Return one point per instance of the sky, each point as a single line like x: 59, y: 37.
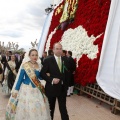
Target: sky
x: 21, y: 21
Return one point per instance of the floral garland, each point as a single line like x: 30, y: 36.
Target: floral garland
x: 90, y: 20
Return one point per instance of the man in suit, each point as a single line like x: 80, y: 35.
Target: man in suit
x: 44, y: 55
x: 50, y: 53
x: 6, y: 58
x: 64, y: 53
x: 72, y: 68
x: 54, y: 71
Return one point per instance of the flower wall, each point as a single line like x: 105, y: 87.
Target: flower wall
x: 83, y: 36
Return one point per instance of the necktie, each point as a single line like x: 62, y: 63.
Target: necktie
x: 59, y: 64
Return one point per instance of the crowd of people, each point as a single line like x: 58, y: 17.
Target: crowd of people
x: 23, y: 79
x: 9, y: 66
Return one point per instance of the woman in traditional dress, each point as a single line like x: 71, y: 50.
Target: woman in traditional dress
x: 32, y: 102
x: 1, y: 70
x: 9, y: 75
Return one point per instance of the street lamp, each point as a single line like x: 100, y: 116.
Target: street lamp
x: 52, y: 5
x: 49, y: 9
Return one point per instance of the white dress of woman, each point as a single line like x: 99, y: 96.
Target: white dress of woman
x: 9, y: 75
x: 32, y: 103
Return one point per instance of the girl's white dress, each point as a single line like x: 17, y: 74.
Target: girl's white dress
x: 31, y: 104
x: 5, y: 88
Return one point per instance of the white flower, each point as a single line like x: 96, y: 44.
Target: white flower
x: 77, y: 41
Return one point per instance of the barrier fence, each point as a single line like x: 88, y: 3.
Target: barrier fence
x: 95, y: 91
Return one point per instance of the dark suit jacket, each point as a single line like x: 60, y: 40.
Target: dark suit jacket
x: 72, y: 64
x: 4, y: 61
x: 72, y: 68
x: 50, y: 66
x: 1, y: 70
x: 42, y: 60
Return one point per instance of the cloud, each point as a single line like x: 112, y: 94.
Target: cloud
x: 14, y: 34
x: 22, y: 20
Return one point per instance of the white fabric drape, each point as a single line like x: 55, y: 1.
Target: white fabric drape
x: 108, y: 76
x: 44, y: 34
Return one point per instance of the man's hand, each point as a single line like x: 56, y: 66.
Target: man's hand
x: 48, y: 74
x: 56, y: 81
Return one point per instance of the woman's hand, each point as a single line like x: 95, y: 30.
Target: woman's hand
x: 14, y: 95
x: 15, y: 73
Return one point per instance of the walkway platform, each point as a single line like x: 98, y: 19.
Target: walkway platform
x: 79, y: 108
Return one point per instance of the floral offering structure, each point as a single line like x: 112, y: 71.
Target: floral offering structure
x: 79, y: 25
